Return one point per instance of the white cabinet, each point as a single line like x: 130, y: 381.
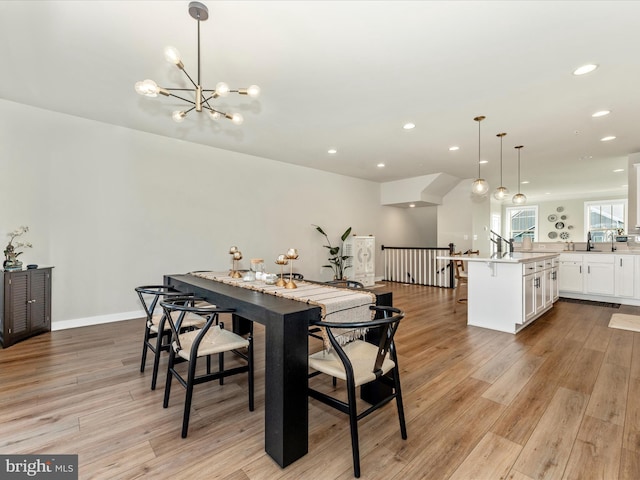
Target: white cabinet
x: 624, y: 266
x: 570, y: 273
x: 361, y: 249
x: 538, y: 287
x: 600, y: 274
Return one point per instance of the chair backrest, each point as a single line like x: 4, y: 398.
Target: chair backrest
x: 458, y: 265
x: 386, y: 323
x: 294, y: 276
x: 176, y: 307
x: 345, y: 283
x: 150, y: 294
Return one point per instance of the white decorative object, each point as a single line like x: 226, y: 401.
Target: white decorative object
x: 361, y: 250
x: 526, y: 244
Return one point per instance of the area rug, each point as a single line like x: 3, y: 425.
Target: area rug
x: 625, y: 322
x: 589, y: 302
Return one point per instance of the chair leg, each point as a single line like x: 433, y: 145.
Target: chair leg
x: 144, y: 348
x: 167, y: 386
x: 187, y: 399
x: 221, y: 366
x: 250, y: 359
x: 403, y: 425
x: 156, y: 360
x: 353, y: 424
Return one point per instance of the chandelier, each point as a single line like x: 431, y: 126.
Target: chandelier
x: 501, y: 192
x: 519, y: 198
x: 202, y: 97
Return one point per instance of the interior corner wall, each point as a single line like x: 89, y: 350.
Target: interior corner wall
x: 455, y: 218
x: 112, y: 208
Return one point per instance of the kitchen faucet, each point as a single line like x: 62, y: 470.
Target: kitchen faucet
x: 613, y: 246
x: 499, y: 241
x: 589, y: 246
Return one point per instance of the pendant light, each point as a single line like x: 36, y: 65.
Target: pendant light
x: 480, y: 186
x: 501, y: 192
x: 519, y: 198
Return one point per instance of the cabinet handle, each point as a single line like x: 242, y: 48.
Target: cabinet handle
x: 580, y: 268
x: 589, y: 269
x: 620, y: 262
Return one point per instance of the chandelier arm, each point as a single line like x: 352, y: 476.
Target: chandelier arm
x: 182, y: 98
x: 190, y: 79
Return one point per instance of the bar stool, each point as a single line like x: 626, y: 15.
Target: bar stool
x: 209, y: 340
x: 157, y: 332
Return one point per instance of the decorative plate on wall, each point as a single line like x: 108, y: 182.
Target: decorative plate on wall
x: 563, y: 217
x: 564, y: 235
x: 559, y: 225
x: 552, y: 235
x: 552, y: 218
x: 570, y: 227
x: 560, y: 209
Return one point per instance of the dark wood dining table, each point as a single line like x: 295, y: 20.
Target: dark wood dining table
x: 286, y: 349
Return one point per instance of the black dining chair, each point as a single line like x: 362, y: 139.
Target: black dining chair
x: 211, y: 339
x: 359, y: 363
x: 157, y: 332
x: 345, y: 283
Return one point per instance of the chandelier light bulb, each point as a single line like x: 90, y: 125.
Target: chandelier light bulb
x: 222, y: 89
x: 148, y: 88
x: 253, y: 91
x: 178, y: 116
x: 214, y: 115
x: 237, y: 119
x: 172, y: 55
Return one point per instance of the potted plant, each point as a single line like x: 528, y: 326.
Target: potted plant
x: 336, y: 260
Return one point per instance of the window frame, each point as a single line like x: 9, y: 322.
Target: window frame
x: 536, y: 226
x: 614, y: 201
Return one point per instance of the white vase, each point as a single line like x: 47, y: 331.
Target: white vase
x: 526, y: 244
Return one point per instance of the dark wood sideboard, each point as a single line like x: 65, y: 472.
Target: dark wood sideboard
x: 25, y: 304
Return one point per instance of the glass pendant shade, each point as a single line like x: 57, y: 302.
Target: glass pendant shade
x: 519, y: 199
x: 480, y: 186
x: 501, y: 193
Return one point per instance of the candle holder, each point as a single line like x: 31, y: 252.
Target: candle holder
x: 292, y: 254
x: 282, y: 261
x: 235, y: 256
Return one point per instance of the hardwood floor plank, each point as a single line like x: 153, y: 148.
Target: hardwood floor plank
x: 546, y: 453
x: 582, y: 374
x: 609, y: 397
x: 599, y: 338
x: 632, y: 418
x: 509, y: 385
x: 492, y: 458
x: 620, y: 349
x: 596, y: 452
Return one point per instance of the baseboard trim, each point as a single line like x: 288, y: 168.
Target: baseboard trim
x: 100, y: 319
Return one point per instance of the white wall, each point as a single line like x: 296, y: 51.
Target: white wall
x: 113, y: 208
x: 455, y: 218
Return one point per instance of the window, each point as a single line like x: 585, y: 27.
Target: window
x: 605, y: 219
x: 522, y: 222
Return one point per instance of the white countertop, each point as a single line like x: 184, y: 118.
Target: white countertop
x: 515, y: 257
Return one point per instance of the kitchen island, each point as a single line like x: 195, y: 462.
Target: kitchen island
x: 508, y: 291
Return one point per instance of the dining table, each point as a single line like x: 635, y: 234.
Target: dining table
x: 286, y: 324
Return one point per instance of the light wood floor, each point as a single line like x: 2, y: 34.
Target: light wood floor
x: 561, y: 400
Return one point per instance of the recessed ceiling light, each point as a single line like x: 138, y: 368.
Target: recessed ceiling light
x: 601, y: 113
x: 607, y: 139
x: 624, y: 186
x: 547, y: 193
x: 618, y: 170
x: 524, y: 182
x: 380, y: 165
x: 482, y: 162
x: 412, y: 205
x: 409, y: 126
x: 332, y: 151
x: 454, y: 148
x: 584, y: 69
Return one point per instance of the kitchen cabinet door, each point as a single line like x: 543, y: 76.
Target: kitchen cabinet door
x: 570, y: 278
x: 625, y: 275
x: 599, y: 278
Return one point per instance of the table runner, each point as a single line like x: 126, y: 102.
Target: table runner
x: 339, y: 305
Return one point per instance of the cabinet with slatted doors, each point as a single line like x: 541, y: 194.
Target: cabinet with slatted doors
x: 25, y: 304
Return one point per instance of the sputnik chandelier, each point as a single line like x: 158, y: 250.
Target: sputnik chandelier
x: 202, y: 96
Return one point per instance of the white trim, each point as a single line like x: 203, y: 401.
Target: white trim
x: 97, y: 320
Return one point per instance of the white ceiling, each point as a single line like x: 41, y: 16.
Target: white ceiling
x: 349, y: 74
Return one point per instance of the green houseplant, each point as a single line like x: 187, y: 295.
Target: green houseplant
x: 336, y: 260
